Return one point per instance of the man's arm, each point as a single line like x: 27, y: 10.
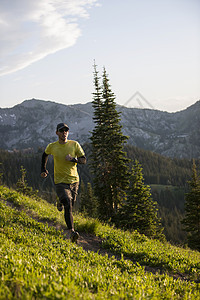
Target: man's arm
x: 79, y: 160
x: 44, y: 171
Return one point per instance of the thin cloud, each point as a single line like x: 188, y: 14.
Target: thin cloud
x: 30, y: 30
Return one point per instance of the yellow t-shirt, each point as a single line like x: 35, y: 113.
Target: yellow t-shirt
x: 65, y: 171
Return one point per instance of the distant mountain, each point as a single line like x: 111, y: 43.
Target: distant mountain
x: 32, y: 124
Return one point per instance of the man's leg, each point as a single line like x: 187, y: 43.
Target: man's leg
x: 68, y: 210
x: 74, y: 193
x: 74, y: 190
x: 65, y: 198
x: 67, y: 195
x: 59, y: 205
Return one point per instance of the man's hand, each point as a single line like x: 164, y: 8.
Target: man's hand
x: 80, y: 160
x: 44, y: 174
x: 68, y: 157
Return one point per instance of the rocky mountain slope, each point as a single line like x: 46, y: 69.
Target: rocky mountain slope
x: 32, y: 124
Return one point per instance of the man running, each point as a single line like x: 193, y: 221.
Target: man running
x: 66, y: 154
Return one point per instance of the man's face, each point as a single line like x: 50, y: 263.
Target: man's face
x: 62, y: 134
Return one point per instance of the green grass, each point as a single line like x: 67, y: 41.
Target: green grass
x: 37, y: 262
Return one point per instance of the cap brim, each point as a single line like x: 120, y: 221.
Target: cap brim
x: 62, y: 128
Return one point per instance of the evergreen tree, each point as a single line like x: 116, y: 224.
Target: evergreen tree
x: 97, y: 102
x: 97, y: 137
x: 83, y: 198
x: 139, y: 211
x: 109, y: 161
x: 89, y: 204
x: 191, y: 221
x: 92, y: 204
x: 23, y: 187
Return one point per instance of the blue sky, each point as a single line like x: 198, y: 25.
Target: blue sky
x: 147, y: 46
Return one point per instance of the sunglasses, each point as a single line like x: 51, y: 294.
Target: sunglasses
x: 63, y: 130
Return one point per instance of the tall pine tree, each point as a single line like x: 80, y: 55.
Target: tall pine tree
x: 139, y: 211
x: 97, y: 137
x: 109, y: 161
x: 191, y: 221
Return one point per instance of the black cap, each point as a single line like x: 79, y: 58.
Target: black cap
x: 62, y: 125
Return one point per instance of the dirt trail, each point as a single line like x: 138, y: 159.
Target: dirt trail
x: 93, y: 243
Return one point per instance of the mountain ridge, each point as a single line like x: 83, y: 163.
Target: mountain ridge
x: 32, y: 123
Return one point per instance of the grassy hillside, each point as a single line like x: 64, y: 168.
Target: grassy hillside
x: 167, y: 177
x: 39, y: 262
